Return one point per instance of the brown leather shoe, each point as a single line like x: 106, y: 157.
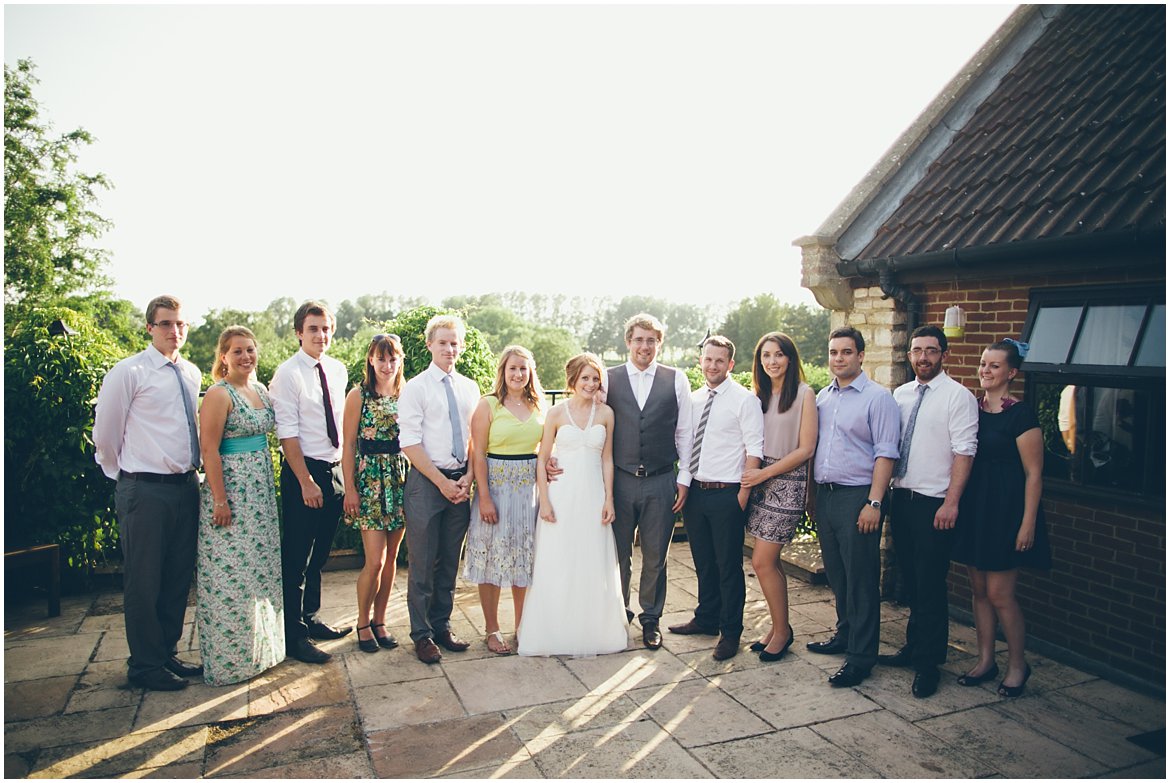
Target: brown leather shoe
x: 451, y: 641
x: 692, y: 628
x: 426, y: 650
x: 727, y: 648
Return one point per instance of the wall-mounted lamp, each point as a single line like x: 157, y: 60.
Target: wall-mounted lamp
x: 954, y: 321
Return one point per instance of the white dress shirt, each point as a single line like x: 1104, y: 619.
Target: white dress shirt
x: 423, y: 416
x: 948, y: 408
x: 640, y: 383
x: 735, y: 431
x: 300, y: 406
x: 141, y: 422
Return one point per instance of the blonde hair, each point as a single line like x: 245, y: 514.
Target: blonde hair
x: 446, y: 321
x: 219, y: 368
x: 533, y: 391
x: 575, y: 366
x: 646, y: 321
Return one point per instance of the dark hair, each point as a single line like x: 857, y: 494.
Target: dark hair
x: 311, y: 307
x: 380, y: 346
x: 793, y: 376
x: 852, y: 334
x: 929, y: 330
x: 1010, y: 350
x: 719, y: 341
x: 165, y: 301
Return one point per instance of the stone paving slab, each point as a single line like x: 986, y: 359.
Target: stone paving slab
x: 675, y: 712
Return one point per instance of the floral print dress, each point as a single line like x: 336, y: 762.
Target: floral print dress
x: 379, y: 477
x: 240, y: 606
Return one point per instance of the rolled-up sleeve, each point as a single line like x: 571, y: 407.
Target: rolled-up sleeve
x: 109, y: 424
x: 751, y: 422
x: 410, y: 415
x: 964, y: 424
x: 285, y: 393
x: 885, y: 423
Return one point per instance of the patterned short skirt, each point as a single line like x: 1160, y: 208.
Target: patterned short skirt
x: 501, y: 554
x: 777, y: 506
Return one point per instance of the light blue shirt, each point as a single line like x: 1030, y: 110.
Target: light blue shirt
x: 858, y: 424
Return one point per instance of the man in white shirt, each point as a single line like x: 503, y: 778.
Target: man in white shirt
x: 308, y: 396
x: 728, y: 437
x: 940, y: 421
x: 434, y: 428
x: 145, y: 438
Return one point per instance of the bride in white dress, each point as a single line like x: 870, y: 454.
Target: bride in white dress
x: 574, y: 605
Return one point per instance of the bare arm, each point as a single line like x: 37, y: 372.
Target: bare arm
x: 805, y: 446
x: 481, y: 422
x: 607, y: 510
x: 745, y: 491
x: 948, y: 512
x: 349, y: 431
x: 546, y: 446
x: 1031, y: 446
x: 213, y: 413
x: 870, y: 518
x: 452, y: 490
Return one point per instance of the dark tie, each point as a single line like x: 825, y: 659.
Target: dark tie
x: 908, y: 435
x: 189, y: 409
x: 698, y: 447
x: 458, y: 442
x: 330, y: 422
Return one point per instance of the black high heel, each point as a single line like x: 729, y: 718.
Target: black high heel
x: 1012, y: 691
x: 970, y: 681
x: 389, y: 642
x: 757, y: 646
x: 768, y: 657
x: 367, y: 645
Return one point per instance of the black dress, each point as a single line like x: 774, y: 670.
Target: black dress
x: 992, y: 505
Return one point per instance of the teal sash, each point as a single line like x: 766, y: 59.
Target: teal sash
x: 241, y: 445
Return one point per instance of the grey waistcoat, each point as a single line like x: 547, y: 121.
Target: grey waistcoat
x: 643, y: 437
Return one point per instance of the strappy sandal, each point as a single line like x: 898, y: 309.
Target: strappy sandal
x: 502, y: 647
x: 367, y: 645
x: 389, y: 642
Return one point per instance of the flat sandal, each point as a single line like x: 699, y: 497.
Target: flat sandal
x: 499, y: 637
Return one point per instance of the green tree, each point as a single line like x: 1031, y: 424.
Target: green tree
x: 751, y: 318
x: 48, y: 204
x: 552, y: 347
x: 476, y: 361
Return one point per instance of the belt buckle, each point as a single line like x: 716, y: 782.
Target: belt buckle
x: 640, y: 472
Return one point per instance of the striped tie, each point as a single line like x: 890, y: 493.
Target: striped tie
x: 699, y: 432
x: 907, y: 436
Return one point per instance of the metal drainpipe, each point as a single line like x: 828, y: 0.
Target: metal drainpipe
x: 904, y: 295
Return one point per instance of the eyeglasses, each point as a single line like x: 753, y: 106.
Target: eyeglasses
x: 928, y: 351
x: 182, y: 325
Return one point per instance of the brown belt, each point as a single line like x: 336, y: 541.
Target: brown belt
x: 715, y: 485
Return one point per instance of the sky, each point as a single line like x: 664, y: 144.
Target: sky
x: 327, y: 152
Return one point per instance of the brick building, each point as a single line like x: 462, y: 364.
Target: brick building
x: 1031, y: 193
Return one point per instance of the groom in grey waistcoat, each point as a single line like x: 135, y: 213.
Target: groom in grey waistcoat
x: 652, y: 411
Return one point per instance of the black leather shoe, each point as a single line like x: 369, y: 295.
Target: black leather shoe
x: 651, y: 636
x: 157, y: 680
x: 387, y: 642
x: 899, y: 659
x: 451, y: 641
x: 690, y: 628
x: 367, y: 645
x: 427, y: 651
x: 848, y: 676
x: 831, y: 647
x: 727, y: 648
x: 323, y: 633
x: 182, y: 668
x: 925, y: 683
x: 307, y: 652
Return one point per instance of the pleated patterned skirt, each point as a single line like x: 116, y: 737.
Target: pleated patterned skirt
x: 501, y: 554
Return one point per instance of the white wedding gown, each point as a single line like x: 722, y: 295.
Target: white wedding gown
x: 574, y: 606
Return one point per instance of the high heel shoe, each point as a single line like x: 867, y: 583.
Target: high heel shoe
x: 366, y: 645
x: 971, y: 680
x: 757, y: 646
x: 389, y: 642
x: 768, y: 657
x: 1012, y: 691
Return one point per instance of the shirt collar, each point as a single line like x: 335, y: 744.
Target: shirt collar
x: 935, y: 381
x: 859, y: 383
x: 307, y: 360
x: 439, y: 375
x: 156, y: 357
x: 633, y: 370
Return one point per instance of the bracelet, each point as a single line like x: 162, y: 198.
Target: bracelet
x: 219, y: 504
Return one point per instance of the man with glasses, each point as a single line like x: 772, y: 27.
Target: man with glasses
x: 940, y: 419
x: 145, y: 438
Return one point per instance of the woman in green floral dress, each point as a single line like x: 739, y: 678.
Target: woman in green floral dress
x: 240, y: 610
x: 375, y: 471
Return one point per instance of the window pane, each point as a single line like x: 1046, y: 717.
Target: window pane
x: 1052, y: 334
x: 1108, y: 334
x: 1153, y: 350
x: 1113, y: 438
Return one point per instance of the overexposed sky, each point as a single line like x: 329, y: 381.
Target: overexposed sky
x: 313, y: 151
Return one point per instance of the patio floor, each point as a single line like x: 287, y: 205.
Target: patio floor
x: 676, y: 712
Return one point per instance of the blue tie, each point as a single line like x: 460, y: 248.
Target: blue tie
x: 189, y: 409
x: 458, y: 442
x: 904, y: 448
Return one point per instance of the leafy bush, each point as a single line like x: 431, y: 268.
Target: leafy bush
x: 476, y: 362
x: 54, y: 492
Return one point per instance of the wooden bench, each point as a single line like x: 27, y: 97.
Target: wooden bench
x: 41, y: 556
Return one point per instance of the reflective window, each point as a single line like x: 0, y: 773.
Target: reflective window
x: 1053, y: 333
x: 1108, y: 334
x: 1153, y: 350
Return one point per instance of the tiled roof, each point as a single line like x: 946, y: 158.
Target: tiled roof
x: 1072, y: 141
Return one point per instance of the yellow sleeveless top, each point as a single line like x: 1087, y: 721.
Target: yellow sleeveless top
x: 509, y: 435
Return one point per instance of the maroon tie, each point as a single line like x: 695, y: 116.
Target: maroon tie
x: 330, y: 422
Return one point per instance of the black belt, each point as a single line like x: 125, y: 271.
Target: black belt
x: 378, y: 446
x: 158, y: 478
x: 455, y: 473
x: 641, y: 472
x: 715, y: 484
x: 911, y: 494
x: 833, y: 486
x: 310, y: 460
x: 511, y: 456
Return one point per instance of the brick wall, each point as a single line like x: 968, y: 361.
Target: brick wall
x: 1105, y: 597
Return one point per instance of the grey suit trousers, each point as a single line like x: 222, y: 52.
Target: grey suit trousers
x: 645, y: 504
x: 853, y: 566
x: 435, y: 529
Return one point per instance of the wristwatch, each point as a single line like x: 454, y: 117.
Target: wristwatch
x: 875, y: 503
